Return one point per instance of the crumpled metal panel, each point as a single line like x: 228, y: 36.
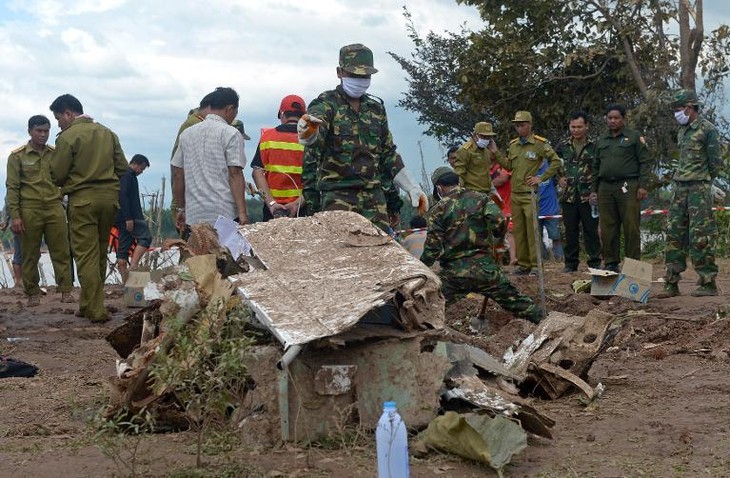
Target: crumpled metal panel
x: 325, y: 272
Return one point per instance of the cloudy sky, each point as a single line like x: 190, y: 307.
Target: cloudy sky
x: 139, y: 66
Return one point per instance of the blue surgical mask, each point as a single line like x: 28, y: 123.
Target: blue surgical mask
x: 355, y: 87
x: 681, y: 117
x: 482, y: 143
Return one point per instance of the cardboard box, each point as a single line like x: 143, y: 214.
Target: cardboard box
x: 634, y: 281
x: 134, y: 289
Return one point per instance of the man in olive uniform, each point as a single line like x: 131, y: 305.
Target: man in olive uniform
x: 474, y: 160
x: 350, y: 162
x: 577, y: 153
x: 525, y: 155
x: 463, y: 228
x: 34, y: 205
x: 621, y: 170
x: 691, y: 229
x: 88, y: 164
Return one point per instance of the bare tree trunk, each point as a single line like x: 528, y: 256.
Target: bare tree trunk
x: 160, y: 209
x: 690, y: 41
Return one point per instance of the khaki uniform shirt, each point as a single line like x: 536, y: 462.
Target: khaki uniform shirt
x: 473, y: 166
x: 524, y: 158
x: 29, y: 182
x: 89, y: 160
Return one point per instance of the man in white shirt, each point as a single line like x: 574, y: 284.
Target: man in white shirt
x: 208, y: 166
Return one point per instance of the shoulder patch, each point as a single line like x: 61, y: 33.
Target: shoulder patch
x: 514, y: 140
x: 19, y: 149
x: 540, y: 138
x: 52, y: 148
x: 467, y: 145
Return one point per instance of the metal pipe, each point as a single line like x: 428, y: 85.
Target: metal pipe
x: 283, y: 375
x: 538, y: 248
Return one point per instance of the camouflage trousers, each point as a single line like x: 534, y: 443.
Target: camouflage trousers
x: 484, y: 276
x: 691, y: 230
x: 369, y: 203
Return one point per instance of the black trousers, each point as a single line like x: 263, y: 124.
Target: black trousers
x: 576, y: 215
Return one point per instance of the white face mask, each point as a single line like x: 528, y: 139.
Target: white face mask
x: 355, y: 87
x: 482, y: 143
x: 681, y: 117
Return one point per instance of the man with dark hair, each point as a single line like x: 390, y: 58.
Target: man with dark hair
x: 577, y: 153
x: 620, y: 177
x: 87, y: 165
x: 277, y: 165
x: 36, y: 213
x: 350, y: 161
x: 208, y: 166
x: 130, y: 220
x: 691, y: 228
x: 463, y: 228
x: 451, y: 155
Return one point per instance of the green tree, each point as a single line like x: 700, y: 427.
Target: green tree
x: 554, y: 57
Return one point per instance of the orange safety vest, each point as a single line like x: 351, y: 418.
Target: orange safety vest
x: 281, y: 155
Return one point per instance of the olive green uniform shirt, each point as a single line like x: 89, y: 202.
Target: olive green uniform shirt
x: 524, y: 158
x: 88, y: 160
x: 28, y: 182
x: 621, y: 157
x: 473, y: 165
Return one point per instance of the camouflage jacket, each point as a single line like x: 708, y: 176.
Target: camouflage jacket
x: 700, y: 158
x: 461, y: 225
x: 577, y: 167
x: 354, y: 150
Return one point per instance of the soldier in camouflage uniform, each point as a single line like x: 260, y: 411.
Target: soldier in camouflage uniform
x: 350, y: 162
x: 524, y: 157
x: 577, y: 153
x: 474, y: 160
x: 691, y: 229
x: 461, y: 234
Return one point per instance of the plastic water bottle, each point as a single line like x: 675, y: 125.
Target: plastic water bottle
x: 594, y: 210
x: 392, y: 444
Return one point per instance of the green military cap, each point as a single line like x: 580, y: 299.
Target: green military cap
x: 484, y: 128
x: 357, y: 59
x: 238, y: 124
x: 522, y: 116
x: 684, y: 97
x: 439, y: 173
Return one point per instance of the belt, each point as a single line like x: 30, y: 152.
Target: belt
x: 692, y: 183
x: 618, y: 180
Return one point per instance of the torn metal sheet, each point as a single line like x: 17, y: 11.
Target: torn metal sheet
x: 328, y: 272
x: 476, y: 392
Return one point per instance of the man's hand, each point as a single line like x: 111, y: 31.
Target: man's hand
x: 275, y: 206
x: 180, y: 220
x: 533, y: 181
x: 292, y: 208
x: 492, y: 146
x: 641, y: 193
x: 308, y: 129
x: 563, y: 182
x: 17, y: 226
x: 129, y: 225
x: 593, y: 199
x: 404, y: 181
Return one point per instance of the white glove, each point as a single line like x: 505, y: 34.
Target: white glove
x: 308, y: 129
x: 717, y: 193
x: 404, y: 181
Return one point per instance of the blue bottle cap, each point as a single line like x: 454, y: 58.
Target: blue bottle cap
x: 389, y: 405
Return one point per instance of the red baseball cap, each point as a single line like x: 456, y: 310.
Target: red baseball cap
x: 292, y: 104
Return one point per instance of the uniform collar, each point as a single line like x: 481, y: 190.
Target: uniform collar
x: 29, y: 149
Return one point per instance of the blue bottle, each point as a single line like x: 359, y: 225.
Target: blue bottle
x: 392, y: 444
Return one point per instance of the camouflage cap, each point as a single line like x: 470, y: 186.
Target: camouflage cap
x: 238, y: 124
x: 484, y: 128
x: 357, y: 59
x: 522, y: 117
x: 439, y: 173
x: 684, y: 97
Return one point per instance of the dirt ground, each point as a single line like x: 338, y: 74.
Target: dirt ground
x: 665, y: 411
